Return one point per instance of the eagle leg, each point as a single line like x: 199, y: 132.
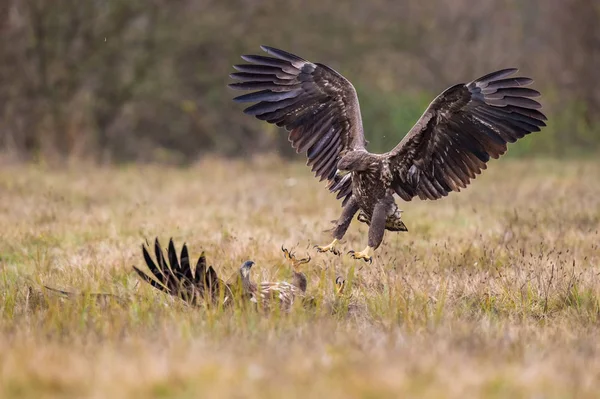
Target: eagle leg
x: 341, y: 226
x: 382, y: 210
x: 365, y: 254
x: 329, y: 247
x: 377, y: 227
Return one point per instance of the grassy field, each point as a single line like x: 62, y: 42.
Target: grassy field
x: 494, y: 292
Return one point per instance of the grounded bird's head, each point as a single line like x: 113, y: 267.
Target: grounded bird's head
x: 245, y: 268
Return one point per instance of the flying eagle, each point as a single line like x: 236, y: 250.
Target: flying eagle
x: 174, y: 276
x: 448, y: 146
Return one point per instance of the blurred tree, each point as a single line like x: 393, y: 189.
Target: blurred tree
x: 576, y: 36
x: 118, y: 80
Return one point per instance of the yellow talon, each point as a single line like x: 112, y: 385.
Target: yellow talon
x: 292, y: 258
x: 287, y: 254
x: 340, y: 284
x: 329, y: 247
x: 365, y: 254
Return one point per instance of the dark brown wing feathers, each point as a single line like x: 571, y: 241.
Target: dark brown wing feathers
x: 318, y: 106
x: 176, y: 277
x: 459, y: 132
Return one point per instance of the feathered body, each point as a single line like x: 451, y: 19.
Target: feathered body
x: 268, y: 293
x: 449, y: 145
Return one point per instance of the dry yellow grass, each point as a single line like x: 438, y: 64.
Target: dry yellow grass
x: 494, y: 292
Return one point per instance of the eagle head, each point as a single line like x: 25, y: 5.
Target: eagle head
x: 355, y: 161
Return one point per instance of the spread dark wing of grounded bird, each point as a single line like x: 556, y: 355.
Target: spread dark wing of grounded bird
x: 176, y: 277
x: 459, y: 132
x: 317, y: 105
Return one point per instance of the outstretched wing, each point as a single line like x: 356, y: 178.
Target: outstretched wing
x: 317, y: 105
x: 459, y: 132
x: 176, y: 277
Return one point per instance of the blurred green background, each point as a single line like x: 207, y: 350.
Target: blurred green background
x: 145, y: 80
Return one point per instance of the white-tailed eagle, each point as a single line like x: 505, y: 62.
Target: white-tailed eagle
x: 447, y: 147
